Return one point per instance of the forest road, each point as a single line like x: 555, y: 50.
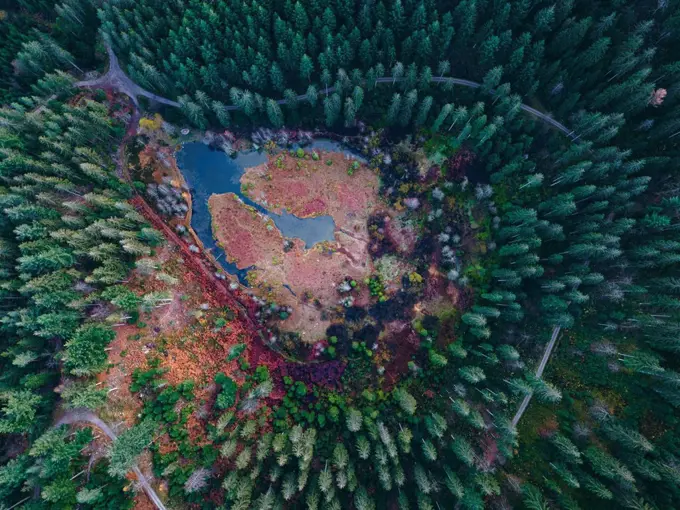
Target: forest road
x: 539, y: 373
x: 86, y: 416
x: 116, y: 79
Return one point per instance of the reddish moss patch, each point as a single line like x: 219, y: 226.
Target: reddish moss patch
x: 306, y: 188
x: 402, y: 343
x: 248, y: 236
x: 313, y: 208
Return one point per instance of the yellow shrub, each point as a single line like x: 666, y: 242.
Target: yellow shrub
x: 151, y: 124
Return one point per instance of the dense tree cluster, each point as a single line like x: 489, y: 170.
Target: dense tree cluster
x: 601, y: 57
x: 582, y: 236
x: 67, y: 233
x: 39, y: 36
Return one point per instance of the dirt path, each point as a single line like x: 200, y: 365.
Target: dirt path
x: 87, y: 416
x: 195, y: 262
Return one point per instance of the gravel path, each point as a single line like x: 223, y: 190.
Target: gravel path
x: 116, y: 79
x: 87, y: 416
x: 539, y: 373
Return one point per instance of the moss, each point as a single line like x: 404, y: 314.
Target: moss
x: 530, y: 458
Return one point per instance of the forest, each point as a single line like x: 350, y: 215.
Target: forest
x: 343, y: 254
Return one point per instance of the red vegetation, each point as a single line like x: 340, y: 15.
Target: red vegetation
x: 457, y: 165
x: 324, y: 374
x: 403, y: 343
x: 213, y: 286
x: 216, y: 289
x: 313, y: 208
x: 260, y: 354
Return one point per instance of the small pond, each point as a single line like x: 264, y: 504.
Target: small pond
x: 208, y: 171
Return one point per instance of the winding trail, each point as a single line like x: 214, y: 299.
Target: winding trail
x: 116, y: 79
x: 539, y: 373
x: 87, y: 416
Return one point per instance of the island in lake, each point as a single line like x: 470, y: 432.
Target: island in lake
x: 286, y: 270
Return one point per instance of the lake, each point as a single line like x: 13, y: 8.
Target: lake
x: 208, y: 171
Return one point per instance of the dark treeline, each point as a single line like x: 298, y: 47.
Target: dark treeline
x: 39, y: 36
x: 599, y: 56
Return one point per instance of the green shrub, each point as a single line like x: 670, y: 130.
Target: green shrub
x: 227, y: 396
x: 262, y: 373
x: 236, y: 351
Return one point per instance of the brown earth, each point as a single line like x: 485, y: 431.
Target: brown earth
x: 182, y: 333
x: 251, y: 239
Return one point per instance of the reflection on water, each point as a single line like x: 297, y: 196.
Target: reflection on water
x: 208, y: 171
x: 325, y: 144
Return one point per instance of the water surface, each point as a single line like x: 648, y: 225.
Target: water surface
x: 208, y: 171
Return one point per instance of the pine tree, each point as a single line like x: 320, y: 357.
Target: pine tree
x: 492, y: 79
x: 406, y: 401
x: 350, y: 111
x: 354, y: 420
x: 274, y: 113
x: 407, y: 105
x: 19, y: 411
x: 363, y: 447
x: 276, y: 76
x: 332, y: 105
x: 312, y: 95
x: 221, y: 113
x: 127, y: 448
x: 423, y: 111
x: 394, y: 109
x: 441, y: 117
x: 84, y: 395
x: 306, y: 67
x: 532, y: 497
x: 397, y: 72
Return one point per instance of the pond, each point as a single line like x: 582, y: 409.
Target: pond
x: 208, y: 171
